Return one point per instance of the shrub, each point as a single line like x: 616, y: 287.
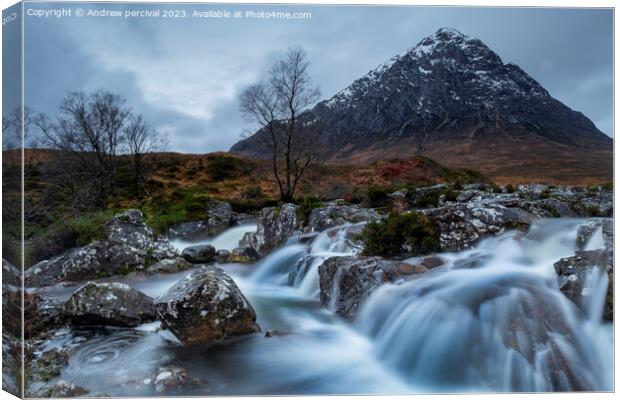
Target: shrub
x: 400, y: 233
x: 608, y: 187
x: 510, y: 188
x: 451, y: 194
x: 222, y: 167
x: 306, y: 206
x: 377, y: 196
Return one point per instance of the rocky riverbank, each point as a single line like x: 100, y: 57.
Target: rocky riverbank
x: 207, y: 307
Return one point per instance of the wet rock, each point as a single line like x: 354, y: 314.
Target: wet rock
x: 199, y: 254
x: 345, y: 282
x: 222, y: 255
x: 42, y: 314
x: 335, y: 214
x: 62, y: 389
x: 460, y: 226
x: 245, y: 254
x: 49, y: 364
x: 169, y: 265
x: 175, y: 379
x: 220, y: 217
x: 206, y: 307
x: 276, y: 225
x: 573, y: 273
x: 11, y: 275
x: 274, y: 333
x: 109, y: 304
x: 48, y: 272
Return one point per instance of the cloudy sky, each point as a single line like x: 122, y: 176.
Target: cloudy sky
x: 185, y: 75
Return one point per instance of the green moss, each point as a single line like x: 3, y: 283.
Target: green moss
x: 400, y: 233
x: 183, y: 205
x: 306, y: 206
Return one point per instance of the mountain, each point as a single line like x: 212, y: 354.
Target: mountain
x: 451, y: 98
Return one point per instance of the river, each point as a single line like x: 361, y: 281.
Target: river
x: 491, y: 319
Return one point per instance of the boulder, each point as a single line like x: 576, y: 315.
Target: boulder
x: 48, y: 272
x: 130, y: 245
x: 206, y: 307
x: 174, y: 379
x: 335, y: 214
x: 276, y: 225
x: 573, y: 273
x: 169, y: 265
x: 101, y: 259
x: 345, y: 282
x: 244, y: 254
x: 220, y: 217
x: 460, y: 226
x: 199, y: 254
x: 114, y: 304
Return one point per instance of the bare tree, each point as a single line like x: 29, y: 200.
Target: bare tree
x: 141, y: 142
x: 277, y: 105
x: 87, y: 134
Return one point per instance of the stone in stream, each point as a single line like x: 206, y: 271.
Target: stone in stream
x: 222, y: 255
x: 198, y: 254
x: 114, y: 304
x: 206, y: 307
x: 169, y: 265
x: 49, y: 364
x: 274, y: 227
x: 346, y: 281
x: 244, y: 254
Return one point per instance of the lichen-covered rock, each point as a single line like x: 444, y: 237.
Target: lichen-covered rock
x: 220, y: 217
x: 335, y: 214
x: 101, y: 259
x: 460, y: 226
x: 114, y: 304
x: 129, y: 228
x: 244, y: 254
x: 573, y: 273
x: 201, y: 253
x: 276, y: 225
x: 206, y: 307
x: 48, y: 272
x: 345, y: 282
x: 169, y: 265
x: 130, y: 245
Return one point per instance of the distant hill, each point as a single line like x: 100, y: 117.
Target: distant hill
x: 451, y: 98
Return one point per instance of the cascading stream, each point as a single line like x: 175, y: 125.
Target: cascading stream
x: 490, y: 319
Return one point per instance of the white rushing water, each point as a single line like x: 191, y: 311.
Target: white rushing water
x: 490, y: 319
x: 227, y: 240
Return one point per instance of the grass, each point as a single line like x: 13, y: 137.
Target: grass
x: 408, y: 233
x: 306, y: 206
x: 183, y: 205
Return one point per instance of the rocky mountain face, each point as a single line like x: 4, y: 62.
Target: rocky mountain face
x: 453, y: 99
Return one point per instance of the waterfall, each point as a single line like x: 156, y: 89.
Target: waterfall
x: 500, y: 324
